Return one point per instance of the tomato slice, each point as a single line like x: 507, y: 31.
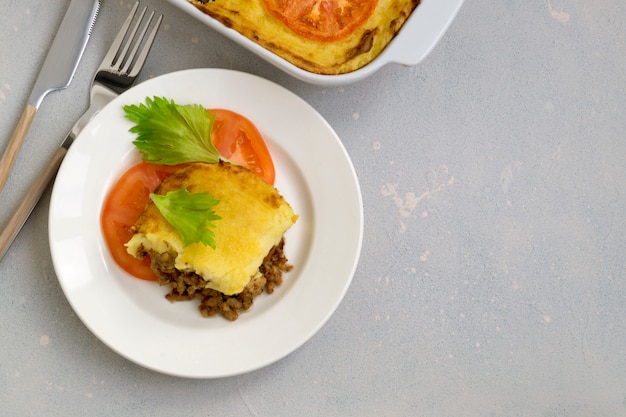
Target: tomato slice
x: 122, y: 207
x: 239, y: 141
x: 322, y: 20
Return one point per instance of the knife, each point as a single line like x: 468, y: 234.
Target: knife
x: 56, y: 72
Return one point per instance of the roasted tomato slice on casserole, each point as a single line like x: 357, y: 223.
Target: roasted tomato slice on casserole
x: 322, y: 20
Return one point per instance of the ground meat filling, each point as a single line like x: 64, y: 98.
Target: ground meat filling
x: 187, y: 286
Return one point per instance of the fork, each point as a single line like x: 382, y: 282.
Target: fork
x: 117, y: 73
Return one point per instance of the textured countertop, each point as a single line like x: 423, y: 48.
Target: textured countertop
x: 492, y: 278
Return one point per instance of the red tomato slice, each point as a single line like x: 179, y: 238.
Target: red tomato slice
x: 238, y: 140
x: 322, y: 20
x: 122, y: 207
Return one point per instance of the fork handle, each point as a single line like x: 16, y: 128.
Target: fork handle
x: 10, y: 154
x: 29, y: 202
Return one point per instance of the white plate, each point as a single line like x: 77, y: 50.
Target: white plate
x: 417, y: 37
x: 132, y: 317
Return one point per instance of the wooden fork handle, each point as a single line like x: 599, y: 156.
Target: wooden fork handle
x: 29, y: 202
x: 10, y: 154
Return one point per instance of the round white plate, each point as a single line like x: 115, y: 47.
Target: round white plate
x: 131, y: 316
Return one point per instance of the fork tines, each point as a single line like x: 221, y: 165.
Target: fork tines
x: 123, y: 52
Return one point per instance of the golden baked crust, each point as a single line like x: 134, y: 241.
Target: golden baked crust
x: 254, y: 217
x: 251, y: 19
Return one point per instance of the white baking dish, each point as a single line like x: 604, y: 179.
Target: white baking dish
x: 416, y: 39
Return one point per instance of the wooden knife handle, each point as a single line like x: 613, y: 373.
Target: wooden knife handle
x: 10, y: 154
x: 29, y: 202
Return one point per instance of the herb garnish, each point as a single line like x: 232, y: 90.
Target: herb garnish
x: 191, y: 214
x: 172, y: 134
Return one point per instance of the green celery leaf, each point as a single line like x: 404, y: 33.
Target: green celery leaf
x: 191, y: 214
x: 172, y: 134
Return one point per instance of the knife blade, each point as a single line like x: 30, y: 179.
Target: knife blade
x: 56, y: 73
